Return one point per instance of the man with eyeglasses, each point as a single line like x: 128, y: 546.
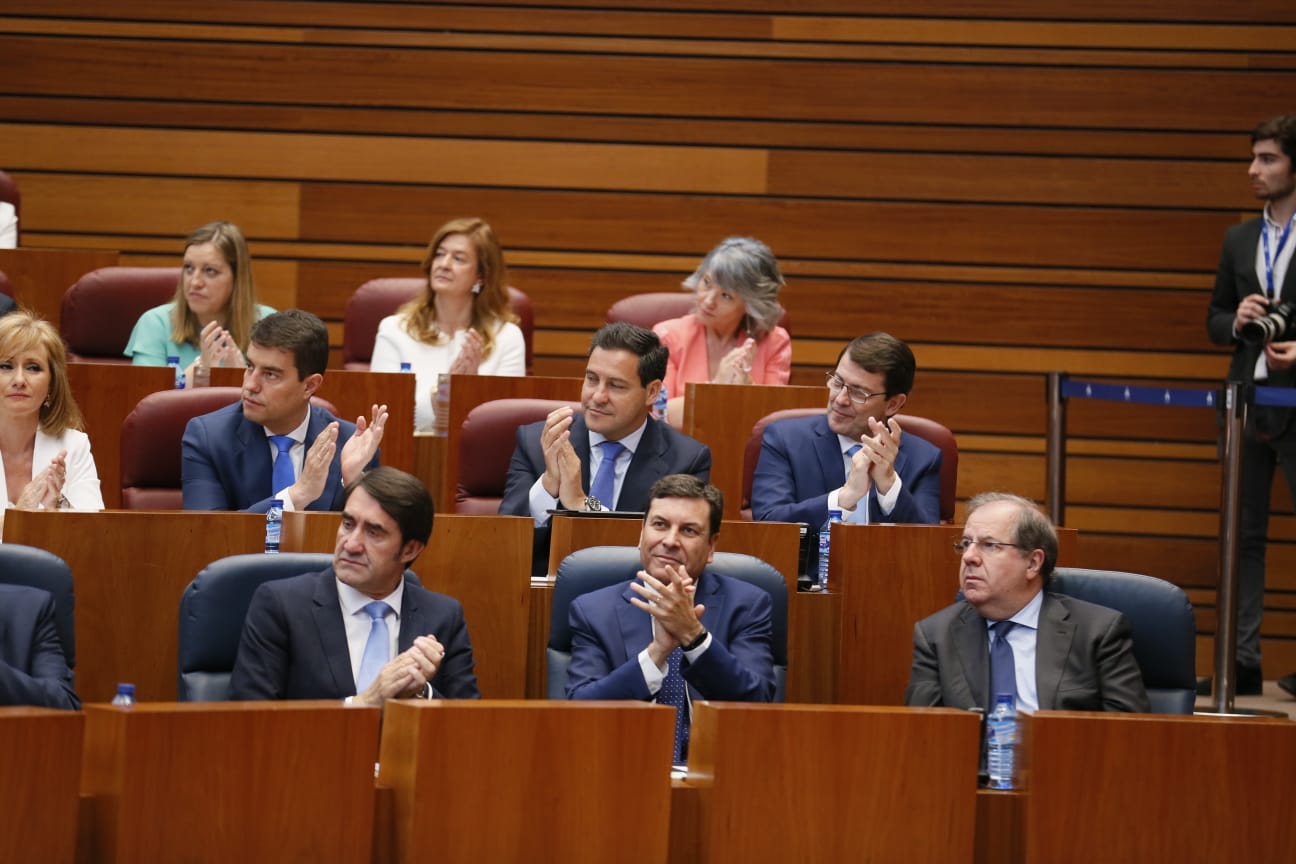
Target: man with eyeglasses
x: 852, y: 458
x: 1009, y: 635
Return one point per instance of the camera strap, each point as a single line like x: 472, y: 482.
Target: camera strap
x: 1270, y: 261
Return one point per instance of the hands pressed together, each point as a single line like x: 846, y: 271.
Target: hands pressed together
x: 218, y: 348
x: 469, y: 358
x: 406, y: 674
x: 735, y: 367
x: 874, y: 464
x: 46, y: 488
x: 562, y: 475
x: 670, y: 603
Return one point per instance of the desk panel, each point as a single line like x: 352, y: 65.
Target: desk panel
x: 40, y: 762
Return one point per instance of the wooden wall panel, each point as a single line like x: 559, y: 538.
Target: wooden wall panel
x: 1013, y: 186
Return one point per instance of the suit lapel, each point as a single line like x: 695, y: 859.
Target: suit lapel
x: 828, y: 449
x: 635, y: 626
x: 646, y: 467
x: 411, y: 619
x: 1052, y: 645
x: 332, y: 633
x: 972, y: 645
x: 252, y: 464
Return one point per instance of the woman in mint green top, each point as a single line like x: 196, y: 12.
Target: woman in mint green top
x: 214, y: 308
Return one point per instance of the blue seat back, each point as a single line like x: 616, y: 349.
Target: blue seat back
x: 37, y: 568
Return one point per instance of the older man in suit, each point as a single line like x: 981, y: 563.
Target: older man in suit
x: 607, y: 456
x: 1009, y: 635
x: 360, y: 630
x: 273, y: 443
x: 33, y: 669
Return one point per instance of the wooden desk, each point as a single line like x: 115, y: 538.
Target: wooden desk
x: 722, y: 416
x: 562, y: 782
x: 41, y: 276
x: 484, y: 562
x: 40, y: 760
x: 830, y: 783
x: 1134, y: 788
x: 231, y: 781
x: 129, y: 568
x: 354, y: 394
x: 469, y: 391
x: 106, y: 393
x: 890, y: 577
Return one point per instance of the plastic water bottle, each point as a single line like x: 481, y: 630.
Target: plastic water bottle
x: 441, y: 406
x: 201, y: 374
x: 825, y: 542
x: 125, y: 695
x: 274, y: 526
x: 174, y: 363
x: 659, y: 405
x: 1001, y: 742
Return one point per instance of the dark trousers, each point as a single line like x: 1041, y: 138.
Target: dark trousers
x: 1259, y: 459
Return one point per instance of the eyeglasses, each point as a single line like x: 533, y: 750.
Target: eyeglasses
x: 989, y: 547
x: 858, y: 395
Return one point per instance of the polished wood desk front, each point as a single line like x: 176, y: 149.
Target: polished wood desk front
x: 889, y: 577
x: 1124, y: 788
x: 40, y: 763
x: 129, y: 568
x: 484, y: 562
x: 469, y: 391
x: 831, y: 783
x: 354, y: 393
x: 722, y: 416
x: 230, y: 781
x: 41, y: 276
x: 535, y: 781
x: 106, y: 394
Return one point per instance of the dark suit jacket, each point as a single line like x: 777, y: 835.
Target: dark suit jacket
x: 661, y: 451
x: 1235, y: 278
x: 294, y: 643
x: 801, y: 462
x: 1084, y: 659
x: 33, y: 670
x: 227, y: 466
x: 608, y: 633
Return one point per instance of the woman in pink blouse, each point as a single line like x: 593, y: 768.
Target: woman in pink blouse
x: 732, y: 335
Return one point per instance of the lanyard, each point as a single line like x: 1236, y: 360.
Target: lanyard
x: 1271, y: 261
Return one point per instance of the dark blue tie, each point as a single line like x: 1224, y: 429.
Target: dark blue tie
x: 283, y: 474
x: 604, y: 485
x: 1003, y: 672
x: 675, y: 692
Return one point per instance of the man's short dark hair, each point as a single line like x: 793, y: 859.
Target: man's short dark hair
x: 300, y: 332
x: 1281, y: 129
x: 1032, y: 530
x: 884, y: 354
x: 642, y: 343
x: 401, y: 496
x: 688, y: 486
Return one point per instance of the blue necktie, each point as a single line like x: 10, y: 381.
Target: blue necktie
x: 675, y: 692
x: 604, y: 486
x: 377, y: 650
x: 283, y: 474
x: 1003, y: 672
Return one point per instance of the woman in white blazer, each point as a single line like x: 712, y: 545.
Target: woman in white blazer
x: 46, y: 459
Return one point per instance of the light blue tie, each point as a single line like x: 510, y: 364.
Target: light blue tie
x: 283, y: 474
x: 604, y: 485
x: 674, y: 691
x: 377, y: 650
x: 860, y: 513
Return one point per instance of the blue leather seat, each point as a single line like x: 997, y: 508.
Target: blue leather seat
x: 1165, y: 634
x: 36, y: 568
x: 600, y: 566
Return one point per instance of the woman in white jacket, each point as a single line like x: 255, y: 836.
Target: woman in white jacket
x: 45, y: 456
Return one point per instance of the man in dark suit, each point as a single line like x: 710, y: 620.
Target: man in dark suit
x: 677, y: 622
x: 359, y: 630
x: 273, y: 443
x: 1062, y: 653
x: 1253, y: 277
x: 33, y: 670
x: 803, y: 468
x: 613, y: 440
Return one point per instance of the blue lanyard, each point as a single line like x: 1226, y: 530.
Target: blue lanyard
x: 1271, y: 261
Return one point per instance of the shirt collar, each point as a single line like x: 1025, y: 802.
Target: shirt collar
x: 1028, y: 615
x: 353, y: 601
x: 630, y: 442
x: 298, y: 435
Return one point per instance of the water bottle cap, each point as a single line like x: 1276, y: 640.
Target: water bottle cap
x: 405, y: 367
x: 835, y: 514
x: 125, y: 689
x: 1005, y: 699
x: 173, y: 360
x: 276, y: 502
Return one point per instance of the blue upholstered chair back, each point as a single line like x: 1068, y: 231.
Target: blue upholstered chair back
x: 36, y: 568
x: 1165, y: 634
x: 600, y: 566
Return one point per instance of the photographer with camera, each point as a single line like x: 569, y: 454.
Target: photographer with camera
x: 1252, y: 309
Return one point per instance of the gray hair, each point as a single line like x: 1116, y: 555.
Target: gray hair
x: 746, y: 267
x: 1032, y: 530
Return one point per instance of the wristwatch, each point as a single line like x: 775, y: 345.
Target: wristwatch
x: 696, y: 643
x: 594, y: 505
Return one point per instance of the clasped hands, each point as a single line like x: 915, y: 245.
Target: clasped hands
x: 562, y: 474
x: 670, y: 603
x: 874, y: 463
x: 356, y: 454
x: 46, y: 488
x: 406, y: 674
x: 735, y: 367
x: 469, y: 358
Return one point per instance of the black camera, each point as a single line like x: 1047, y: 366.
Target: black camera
x: 1270, y: 328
